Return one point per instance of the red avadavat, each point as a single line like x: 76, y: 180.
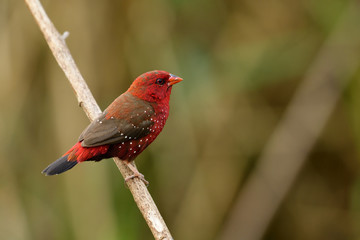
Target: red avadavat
x: 126, y: 127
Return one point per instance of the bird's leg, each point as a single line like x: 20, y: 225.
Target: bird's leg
x: 136, y: 173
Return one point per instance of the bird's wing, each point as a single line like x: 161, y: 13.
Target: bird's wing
x: 131, y: 120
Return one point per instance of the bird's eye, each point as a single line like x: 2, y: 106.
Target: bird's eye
x: 160, y: 81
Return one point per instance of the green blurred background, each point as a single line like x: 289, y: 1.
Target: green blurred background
x: 241, y: 61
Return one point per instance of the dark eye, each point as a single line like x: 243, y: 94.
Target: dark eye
x: 160, y: 81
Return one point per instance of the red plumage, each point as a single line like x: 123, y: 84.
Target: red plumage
x: 126, y: 127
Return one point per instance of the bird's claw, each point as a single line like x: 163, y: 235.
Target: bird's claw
x: 137, y: 175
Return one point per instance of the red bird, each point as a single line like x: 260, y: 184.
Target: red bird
x: 126, y: 127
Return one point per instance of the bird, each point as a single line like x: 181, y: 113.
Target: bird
x: 126, y: 127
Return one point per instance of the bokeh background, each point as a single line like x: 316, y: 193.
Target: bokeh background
x: 243, y: 63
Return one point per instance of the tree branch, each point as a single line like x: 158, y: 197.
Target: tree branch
x: 297, y: 132
x: 86, y: 100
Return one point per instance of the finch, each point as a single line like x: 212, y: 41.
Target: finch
x: 126, y: 127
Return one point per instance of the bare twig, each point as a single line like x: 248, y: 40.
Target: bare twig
x: 62, y: 54
x: 295, y: 136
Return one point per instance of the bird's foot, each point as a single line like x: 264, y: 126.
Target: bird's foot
x: 140, y: 176
x: 136, y: 174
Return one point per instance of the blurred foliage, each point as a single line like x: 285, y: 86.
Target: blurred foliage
x: 241, y: 62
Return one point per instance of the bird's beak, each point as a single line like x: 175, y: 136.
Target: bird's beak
x: 174, y: 79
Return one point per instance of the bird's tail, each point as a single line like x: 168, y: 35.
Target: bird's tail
x: 59, y: 166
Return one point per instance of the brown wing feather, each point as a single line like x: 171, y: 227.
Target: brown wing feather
x: 130, y: 119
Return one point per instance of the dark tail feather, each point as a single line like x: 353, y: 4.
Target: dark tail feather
x: 59, y: 166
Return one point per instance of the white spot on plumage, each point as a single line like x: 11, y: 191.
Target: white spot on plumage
x: 100, y: 122
x: 140, y: 140
x: 130, y: 142
x: 130, y: 149
x: 125, y: 136
x: 139, y: 145
x: 134, y: 151
x: 129, y: 137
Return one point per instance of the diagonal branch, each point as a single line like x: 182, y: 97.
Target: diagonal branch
x: 63, y: 56
x: 297, y: 133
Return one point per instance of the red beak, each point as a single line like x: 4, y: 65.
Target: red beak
x: 174, y: 79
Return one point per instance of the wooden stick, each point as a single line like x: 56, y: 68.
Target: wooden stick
x: 86, y: 100
x: 297, y: 132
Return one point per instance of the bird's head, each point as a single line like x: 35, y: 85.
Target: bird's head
x: 154, y: 86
